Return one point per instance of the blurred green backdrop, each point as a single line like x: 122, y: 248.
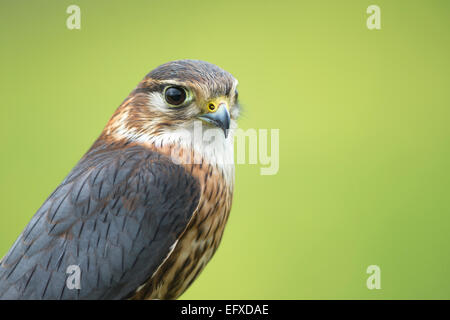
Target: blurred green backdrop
x: 363, y: 115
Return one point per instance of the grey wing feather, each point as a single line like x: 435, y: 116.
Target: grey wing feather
x: 115, y: 217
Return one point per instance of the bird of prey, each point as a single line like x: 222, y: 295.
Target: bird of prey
x: 144, y: 210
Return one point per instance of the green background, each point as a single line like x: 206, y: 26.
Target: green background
x: 363, y: 115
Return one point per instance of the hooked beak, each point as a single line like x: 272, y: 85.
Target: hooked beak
x: 220, y: 118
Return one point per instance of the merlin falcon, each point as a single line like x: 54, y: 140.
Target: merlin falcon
x: 144, y: 210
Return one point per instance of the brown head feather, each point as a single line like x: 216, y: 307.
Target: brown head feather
x: 144, y: 112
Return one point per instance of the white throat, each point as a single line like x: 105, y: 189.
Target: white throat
x: 209, y: 145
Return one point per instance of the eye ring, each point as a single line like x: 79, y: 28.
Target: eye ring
x: 212, y: 107
x: 175, y: 96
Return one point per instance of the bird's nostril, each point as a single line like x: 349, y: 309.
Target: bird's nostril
x: 211, y: 107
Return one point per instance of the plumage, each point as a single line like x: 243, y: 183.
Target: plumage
x: 136, y: 214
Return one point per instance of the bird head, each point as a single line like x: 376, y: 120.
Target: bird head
x: 175, y: 96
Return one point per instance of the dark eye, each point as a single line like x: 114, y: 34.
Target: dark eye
x: 236, y: 95
x: 175, y: 95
